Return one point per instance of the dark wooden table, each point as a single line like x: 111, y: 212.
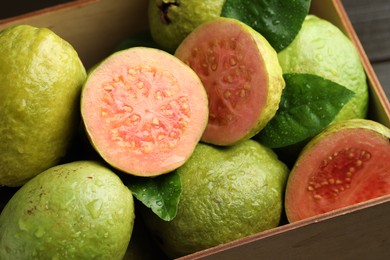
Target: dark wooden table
x: 370, y: 18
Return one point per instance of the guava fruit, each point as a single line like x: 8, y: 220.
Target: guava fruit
x: 242, y: 76
x: 41, y: 76
x: 144, y: 111
x: 227, y: 193
x: 170, y: 21
x: 322, y: 49
x: 345, y: 164
x: 78, y: 210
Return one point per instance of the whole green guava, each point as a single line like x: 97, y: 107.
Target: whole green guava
x: 322, y: 49
x: 227, y: 193
x: 170, y: 21
x: 41, y: 76
x: 78, y: 210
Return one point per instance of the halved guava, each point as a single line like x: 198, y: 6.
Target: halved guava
x: 144, y: 110
x: 170, y: 21
x: 242, y: 76
x: 347, y: 163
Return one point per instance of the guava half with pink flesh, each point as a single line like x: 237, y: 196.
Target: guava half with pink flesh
x: 242, y: 76
x: 144, y: 111
x: 348, y: 163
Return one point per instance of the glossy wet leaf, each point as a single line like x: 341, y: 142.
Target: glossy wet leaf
x: 308, y: 104
x: 161, y: 194
x: 278, y: 21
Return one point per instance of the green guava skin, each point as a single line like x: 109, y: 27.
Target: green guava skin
x: 275, y: 82
x: 41, y: 76
x: 170, y: 21
x: 348, y: 124
x: 322, y: 49
x: 227, y: 193
x: 79, y: 210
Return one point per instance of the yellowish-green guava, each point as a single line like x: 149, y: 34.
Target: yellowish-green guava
x: 41, y: 76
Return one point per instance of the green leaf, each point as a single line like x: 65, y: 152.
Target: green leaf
x: 309, y: 103
x: 278, y: 21
x: 161, y: 193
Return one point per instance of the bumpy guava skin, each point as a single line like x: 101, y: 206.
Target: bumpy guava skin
x: 227, y: 193
x: 322, y: 49
x: 79, y: 210
x: 41, y: 76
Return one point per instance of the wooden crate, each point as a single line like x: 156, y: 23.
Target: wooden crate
x: 361, y: 231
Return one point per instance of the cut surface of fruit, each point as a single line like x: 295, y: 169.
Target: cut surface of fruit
x: 144, y: 111
x: 241, y: 74
x: 345, y: 167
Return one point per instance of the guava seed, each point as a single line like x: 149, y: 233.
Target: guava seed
x: 223, y: 58
x: 336, y: 172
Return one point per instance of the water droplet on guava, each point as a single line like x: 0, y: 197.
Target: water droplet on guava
x: 94, y: 208
x: 39, y: 232
x: 76, y: 234
x: 232, y: 177
x: 20, y: 149
x: 23, y: 224
x: 255, y: 204
x: 99, y: 183
x: 319, y: 57
x: 34, y: 253
x: 110, y: 220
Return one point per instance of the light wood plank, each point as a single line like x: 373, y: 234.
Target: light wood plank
x: 93, y: 27
x: 361, y: 234
x: 382, y: 69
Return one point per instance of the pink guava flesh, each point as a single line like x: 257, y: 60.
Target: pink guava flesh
x: 227, y: 59
x: 144, y: 111
x: 345, y: 168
